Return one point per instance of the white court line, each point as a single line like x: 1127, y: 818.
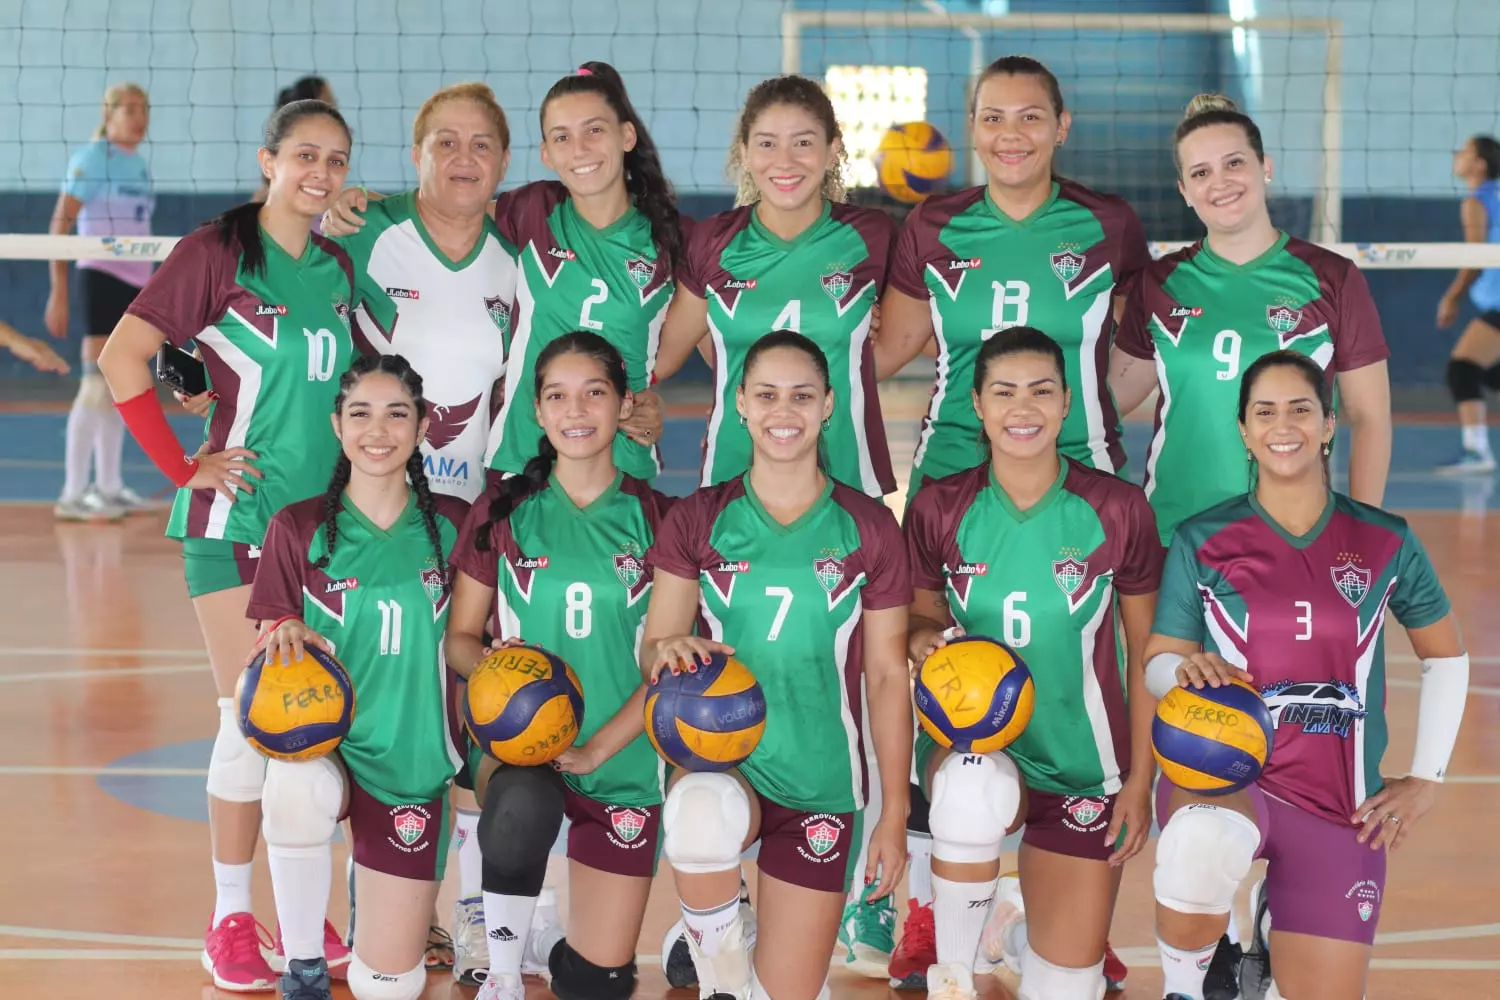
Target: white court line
x: 107, y: 673
x: 98, y: 937
x: 96, y: 955
x: 23, y: 770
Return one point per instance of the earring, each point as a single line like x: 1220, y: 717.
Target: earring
x: 827, y: 422
x: 1327, y: 447
x: 1249, y: 455
x: 742, y: 420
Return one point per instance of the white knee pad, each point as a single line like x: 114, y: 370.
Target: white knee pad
x: 1204, y: 853
x: 704, y: 822
x: 302, y: 803
x: 1041, y: 980
x: 367, y: 984
x: 236, y: 772
x: 974, y: 799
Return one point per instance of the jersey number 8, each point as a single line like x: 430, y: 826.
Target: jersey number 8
x: 578, y: 610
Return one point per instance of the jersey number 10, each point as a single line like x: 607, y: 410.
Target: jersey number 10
x: 322, y: 352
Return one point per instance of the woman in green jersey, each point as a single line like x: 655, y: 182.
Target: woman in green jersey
x: 1060, y: 562
x: 267, y: 303
x: 362, y: 573
x: 1027, y: 248
x: 805, y: 580
x: 556, y: 557
x: 793, y: 256
x: 1199, y: 317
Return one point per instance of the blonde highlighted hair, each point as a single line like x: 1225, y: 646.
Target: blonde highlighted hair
x: 797, y: 92
x: 114, y: 96
x: 1215, y: 109
x: 474, y: 91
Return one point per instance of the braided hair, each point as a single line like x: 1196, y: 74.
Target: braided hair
x: 538, y: 469
x: 400, y: 369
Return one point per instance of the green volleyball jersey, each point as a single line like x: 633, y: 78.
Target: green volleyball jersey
x: 382, y: 604
x: 575, y: 582
x: 1305, y: 615
x: 1044, y: 581
x: 823, y: 284
x: 1057, y: 270
x: 1203, y: 321
x: 275, y: 344
x: 791, y: 599
x: 449, y: 318
x: 574, y: 277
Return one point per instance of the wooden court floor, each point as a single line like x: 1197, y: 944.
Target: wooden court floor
x: 106, y: 713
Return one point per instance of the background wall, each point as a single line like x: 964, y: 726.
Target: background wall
x: 1419, y: 77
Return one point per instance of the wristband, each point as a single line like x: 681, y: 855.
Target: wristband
x: 274, y: 626
x: 148, y: 425
x: 1161, y: 673
x: 1440, y: 709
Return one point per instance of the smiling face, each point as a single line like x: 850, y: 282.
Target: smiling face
x: 1284, y: 425
x: 307, y: 170
x: 585, y: 143
x: 461, y: 159
x: 1222, y: 178
x: 578, y: 406
x: 378, y: 426
x: 788, y: 154
x: 1016, y: 130
x: 784, y: 401
x: 1022, y: 404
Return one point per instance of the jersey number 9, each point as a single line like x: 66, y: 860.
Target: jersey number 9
x: 1227, y: 353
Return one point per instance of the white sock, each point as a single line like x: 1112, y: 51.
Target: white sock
x: 960, y: 910
x: 708, y: 926
x: 301, y: 878
x: 508, y: 919
x: 109, y: 449
x: 470, y: 858
x: 1184, y: 971
x: 919, y: 867
x: 232, y: 890
x: 1233, y: 930
x: 78, y: 453
x: 1477, y: 438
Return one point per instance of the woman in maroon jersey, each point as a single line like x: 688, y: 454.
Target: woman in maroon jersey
x: 1287, y: 588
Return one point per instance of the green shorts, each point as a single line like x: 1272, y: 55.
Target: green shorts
x: 214, y: 564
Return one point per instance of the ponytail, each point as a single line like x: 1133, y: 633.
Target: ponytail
x: 513, y: 491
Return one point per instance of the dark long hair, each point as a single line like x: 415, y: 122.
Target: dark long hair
x: 333, y: 499
x: 644, y: 177
x: 241, y: 224
x: 1311, y: 373
x: 1488, y: 149
x: 535, y: 473
x: 307, y: 88
x: 1016, y: 340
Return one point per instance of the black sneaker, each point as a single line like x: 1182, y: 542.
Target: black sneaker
x: 306, y: 979
x: 1223, y: 979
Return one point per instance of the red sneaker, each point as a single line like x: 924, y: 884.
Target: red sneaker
x: 232, y: 955
x: 335, y: 952
x: 917, y: 949
x: 1114, y: 971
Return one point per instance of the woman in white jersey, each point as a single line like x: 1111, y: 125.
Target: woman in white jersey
x: 107, y: 192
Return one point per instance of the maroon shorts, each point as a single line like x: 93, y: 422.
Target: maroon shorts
x: 1319, y: 879
x: 408, y: 841
x: 621, y: 840
x: 1073, y: 825
x: 813, y: 850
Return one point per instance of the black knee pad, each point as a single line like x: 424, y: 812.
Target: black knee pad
x: 523, y: 810
x: 465, y: 777
x: 916, y: 820
x: 576, y: 978
x: 1465, y: 380
x: 1492, y: 377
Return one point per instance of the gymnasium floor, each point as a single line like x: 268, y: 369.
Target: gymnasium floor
x: 106, y: 721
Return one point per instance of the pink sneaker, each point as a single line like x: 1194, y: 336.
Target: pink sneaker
x: 335, y: 952
x: 232, y: 955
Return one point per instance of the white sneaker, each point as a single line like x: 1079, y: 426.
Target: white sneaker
x: 127, y: 500
x: 88, y: 507
x: 727, y: 971
x: 1006, y: 911
x: 950, y: 982
x: 546, y: 930
x: 471, y: 950
x: 1468, y: 463
x: 502, y: 988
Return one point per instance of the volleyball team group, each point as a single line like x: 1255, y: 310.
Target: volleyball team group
x: 432, y: 431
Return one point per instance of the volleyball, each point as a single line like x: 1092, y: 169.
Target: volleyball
x: 974, y: 695
x: 523, y: 705
x: 1214, y: 741
x: 912, y: 161
x: 295, y: 710
x: 708, y: 720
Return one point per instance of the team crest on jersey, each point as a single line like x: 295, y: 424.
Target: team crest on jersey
x: 640, y: 270
x: 837, y: 284
x: 342, y: 309
x: 1353, y: 582
x: 627, y: 824
x: 829, y: 571
x: 409, y: 824
x: 499, y: 311
x: 630, y: 568
x: 1069, y: 574
x: 1283, y: 318
x: 822, y: 833
x: 1067, y: 265
x: 432, y: 583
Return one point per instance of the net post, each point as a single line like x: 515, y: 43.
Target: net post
x: 1328, y: 226
x: 791, y: 41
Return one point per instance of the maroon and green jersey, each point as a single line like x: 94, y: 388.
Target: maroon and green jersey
x: 823, y: 284
x: 382, y: 604
x: 1306, y: 617
x: 1057, y: 270
x: 573, y: 580
x: 1203, y: 321
x: 790, y: 599
x: 275, y: 344
x: 1044, y: 581
x: 571, y: 276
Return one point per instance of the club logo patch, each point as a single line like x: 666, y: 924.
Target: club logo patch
x: 433, y: 583
x: 640, y: 270
x: 629, y: 568
x: 1067, y: 265
x: 409, y: 825
x: 830, y: 573
x: 822, y: 837
x: 1353, y: 582
x: 1084, y: 814
x: 627, y: 824
x: 499, y: 311
x: 1283, y: 318
x: 1069, y: 574
x: 837, y: 284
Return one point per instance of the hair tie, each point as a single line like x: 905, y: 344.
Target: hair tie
x: 585, y: 71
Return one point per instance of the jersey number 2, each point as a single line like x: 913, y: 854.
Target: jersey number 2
x: 600, y: 296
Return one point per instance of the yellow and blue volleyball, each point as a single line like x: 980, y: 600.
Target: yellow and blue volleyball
x: 974, y: 695
x: 523, y: 705
x: 1212, y: 741
x: 298, y: 709
x: 912, y: 161
x: 708, y: 720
